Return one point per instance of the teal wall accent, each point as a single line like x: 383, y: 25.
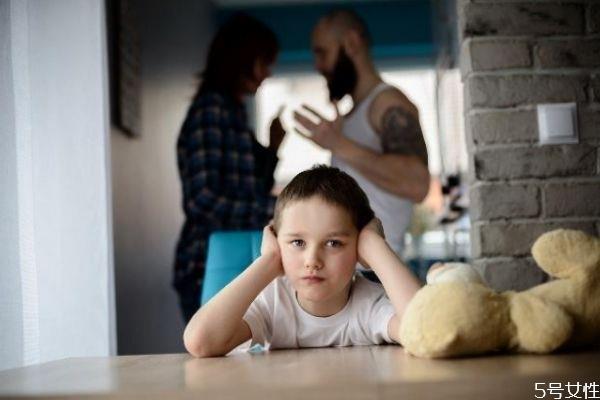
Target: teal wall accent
x: 401, y: 30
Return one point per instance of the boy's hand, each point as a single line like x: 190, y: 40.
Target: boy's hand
x: 371, y: 233
x: 270, y: 248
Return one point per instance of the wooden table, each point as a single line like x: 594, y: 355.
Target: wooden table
x: 378, y: 372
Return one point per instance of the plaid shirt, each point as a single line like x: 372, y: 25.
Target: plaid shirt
x: 226, y: 176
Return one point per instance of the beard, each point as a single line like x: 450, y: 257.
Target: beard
x: 342, y: 80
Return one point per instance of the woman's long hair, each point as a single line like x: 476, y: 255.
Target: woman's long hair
x: 238, y: 44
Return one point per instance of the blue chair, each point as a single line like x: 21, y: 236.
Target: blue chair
x: 229, y: 253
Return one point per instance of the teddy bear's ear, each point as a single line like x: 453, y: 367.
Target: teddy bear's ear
x: 453, y: 272
x: 541, y: 326
x: 564, y: 251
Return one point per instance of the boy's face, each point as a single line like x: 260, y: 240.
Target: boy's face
x: 318, y: 243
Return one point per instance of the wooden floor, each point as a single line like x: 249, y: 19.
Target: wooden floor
x: 379, y: 372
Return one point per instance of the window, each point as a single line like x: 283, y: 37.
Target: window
x: 292, y: 90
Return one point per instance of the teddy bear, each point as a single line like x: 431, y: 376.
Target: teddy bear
x: 456, y: 314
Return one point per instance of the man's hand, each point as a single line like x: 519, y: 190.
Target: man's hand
x: 276, y: 132
x: 370, y: 234
x: 325, y: 133
x: 269, y: 247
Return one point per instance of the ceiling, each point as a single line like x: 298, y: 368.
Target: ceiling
x: 238, y: 3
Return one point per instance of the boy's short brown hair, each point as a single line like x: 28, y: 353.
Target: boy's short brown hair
x: 333, y: 186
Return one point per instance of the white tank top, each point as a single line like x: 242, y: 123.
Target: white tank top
x: 393, y: 211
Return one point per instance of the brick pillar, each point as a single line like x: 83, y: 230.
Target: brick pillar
x: 515, y: 55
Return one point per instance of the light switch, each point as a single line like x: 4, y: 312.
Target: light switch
x: 557, y: 123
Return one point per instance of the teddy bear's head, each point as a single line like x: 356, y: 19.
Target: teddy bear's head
x: 566, y: 252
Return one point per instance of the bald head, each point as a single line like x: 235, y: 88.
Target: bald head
x: 341, y: 21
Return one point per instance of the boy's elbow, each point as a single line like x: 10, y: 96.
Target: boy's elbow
x: 196, y: 345
x: 192, y: 347
x: 193, y: 343
x: 200, y: 350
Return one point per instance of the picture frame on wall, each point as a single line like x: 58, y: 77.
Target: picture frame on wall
x: 125, y: 67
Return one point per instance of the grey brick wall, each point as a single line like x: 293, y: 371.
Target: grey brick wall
x: 515, y: 55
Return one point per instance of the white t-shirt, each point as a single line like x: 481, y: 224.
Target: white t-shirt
x: 277, y: 320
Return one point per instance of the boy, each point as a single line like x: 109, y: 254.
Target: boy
x: 303, y: 291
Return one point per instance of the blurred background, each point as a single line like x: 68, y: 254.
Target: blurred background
x: 93, y: 93
x: 414, y: 45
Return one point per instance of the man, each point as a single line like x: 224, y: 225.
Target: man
x: 379, y: 142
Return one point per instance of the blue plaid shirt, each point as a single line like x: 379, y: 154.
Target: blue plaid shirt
x: 226, y: 176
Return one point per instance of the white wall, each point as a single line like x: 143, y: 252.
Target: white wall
x: 11, y: 316
x: 56, y: 284
x: 146, y: 189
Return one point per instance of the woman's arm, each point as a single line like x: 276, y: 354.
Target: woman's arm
x: 218, y: 327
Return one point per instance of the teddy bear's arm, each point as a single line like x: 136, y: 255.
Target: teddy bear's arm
x: 541, y: 326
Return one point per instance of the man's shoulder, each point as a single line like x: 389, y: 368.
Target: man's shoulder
x: 389, y: 98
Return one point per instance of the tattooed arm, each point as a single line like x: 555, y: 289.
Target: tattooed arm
x: 402, y: 168
x: 401, y: 134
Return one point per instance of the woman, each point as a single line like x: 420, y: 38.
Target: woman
x: 226, y: 175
